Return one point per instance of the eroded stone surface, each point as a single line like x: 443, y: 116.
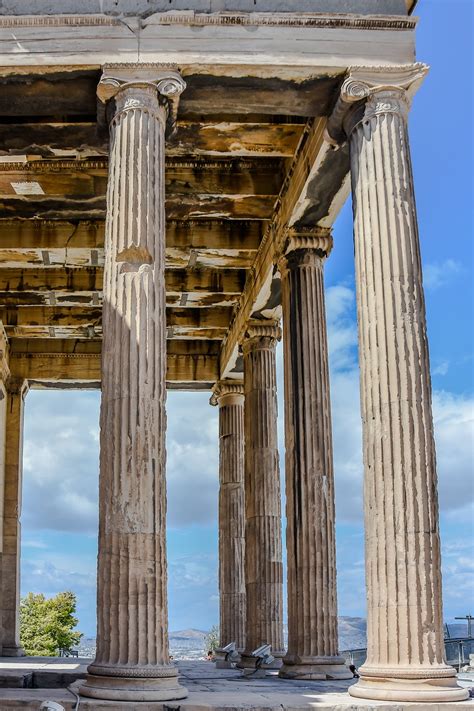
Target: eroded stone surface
x: 132, y: 661
x: 310, y: 535
x: 230, y: 398
x: 263, y: 546
x: 405, y: 658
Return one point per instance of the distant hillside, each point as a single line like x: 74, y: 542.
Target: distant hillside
x: 188, y: 638
x: 352, y: 632
x: 190, y: 643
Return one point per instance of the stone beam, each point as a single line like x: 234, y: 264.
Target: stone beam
x: 21, y: 318
x: 178, y: 207
x: 303, y: 43
x: 223, y: 138
x: 28, y: 234
x: 184, y: 176
x: 14, y: 282
x: 302, y: 197
x: 194, y: 363
x: 218, y: 317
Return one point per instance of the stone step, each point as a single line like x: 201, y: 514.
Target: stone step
x: 16, y: 679
x: 41, y: 679
x: 55, y: 679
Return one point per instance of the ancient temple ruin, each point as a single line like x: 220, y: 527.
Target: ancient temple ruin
x: 170, y: 172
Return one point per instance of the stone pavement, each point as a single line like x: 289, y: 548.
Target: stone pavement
x: 209, y: 690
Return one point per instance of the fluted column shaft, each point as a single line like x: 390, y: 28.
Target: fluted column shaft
x: 132, y: 660
x: 17, y: 389
x: 230, y: 398
x: 4, y: 376
x: 405, y: 659
x: 310, y: 534
x: 263, y: 546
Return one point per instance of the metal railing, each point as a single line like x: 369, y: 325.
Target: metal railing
x: 457, y: 652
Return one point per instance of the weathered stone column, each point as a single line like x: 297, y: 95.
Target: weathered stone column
x: 230, y: 398
x: 405, y: 659
x: 4, y: 377
x: 310, y: 535
x: 263, y: 548
x: 17, y: 389
x: 132, y: 661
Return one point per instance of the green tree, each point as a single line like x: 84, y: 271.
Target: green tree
x: 211, y: 641
x: 47, y: 624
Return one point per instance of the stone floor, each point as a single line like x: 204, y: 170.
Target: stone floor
x: 209, y: 690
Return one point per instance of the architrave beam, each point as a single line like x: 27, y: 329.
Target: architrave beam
x: 312, y: 194
x: 49, y: 363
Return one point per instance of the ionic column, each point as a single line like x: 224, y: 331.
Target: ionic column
x: 310, y: 535
x: 230, y: 398
x: 405, y: 658
x: 132, y: 661
x: 4, y: 377
x: 17, y: 389
x: 263, y: 547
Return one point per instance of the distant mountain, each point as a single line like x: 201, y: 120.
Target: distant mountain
x: 190, y: 643
x: 352, y: 632
x: 189, y: 634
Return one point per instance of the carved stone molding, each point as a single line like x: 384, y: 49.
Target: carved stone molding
x: 142, y: 86
x: 268, y: 331
x: 316, y: 238
x: 224, y: 388
x: 186, y: 17
x: 371, y: 91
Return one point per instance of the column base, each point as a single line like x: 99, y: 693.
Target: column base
x: 314, y: 668
x: 408, y: 684
x: 132, y: 684
x: 13, y: 652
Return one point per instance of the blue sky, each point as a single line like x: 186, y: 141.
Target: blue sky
x: 59, y: 519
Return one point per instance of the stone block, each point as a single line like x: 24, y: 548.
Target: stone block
x: 55, y: 679
x: 15, y: 679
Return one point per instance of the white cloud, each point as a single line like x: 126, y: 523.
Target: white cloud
x: 61, y: 461
x: 61, y: 454
x: 437, y: 274
x: 197, y: 571
x: 440, y: 369
x: 454, y: 430
x: 458, y: 567
x: 342, y: 327
x: 192, y: 459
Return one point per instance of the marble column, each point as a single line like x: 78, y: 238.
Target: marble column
x: 405, y: 657
x: 17, y: 389
x: 4, y: 377
x: 230, y: 398
x: 263, y: 546
x: 310, y: 535
x: 132, y: 661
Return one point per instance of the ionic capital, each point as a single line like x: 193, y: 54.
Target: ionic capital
x: 316, y: 238
x: 227, y: 392
x: 371, y: 91
x: 260, y: 334
x: 142, y: 86
x: 305, y: 247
